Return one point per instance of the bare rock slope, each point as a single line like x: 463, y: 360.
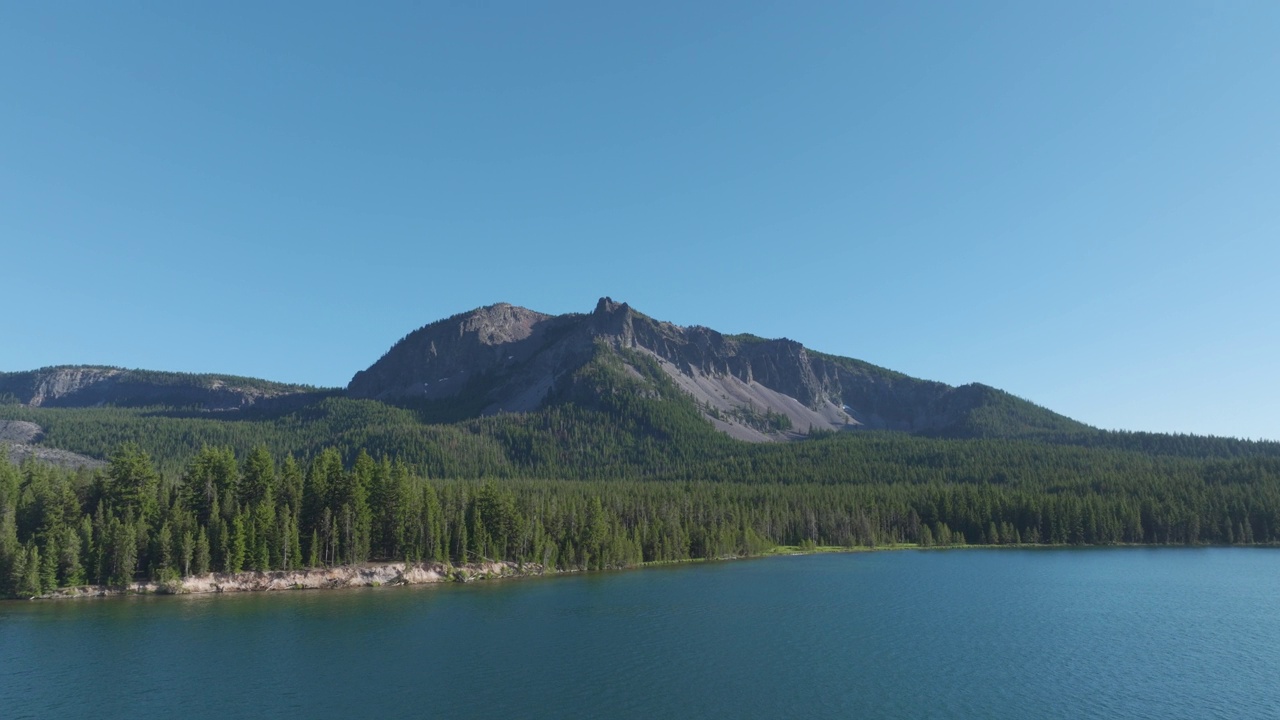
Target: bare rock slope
x: 18, y: 439
x: 20, y: 431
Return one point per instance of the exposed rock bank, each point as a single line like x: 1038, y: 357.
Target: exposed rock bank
x: 348, y: 576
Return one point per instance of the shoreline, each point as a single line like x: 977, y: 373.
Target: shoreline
x: 328, y: 578
x: 378, y: 574
x: 400, y: 573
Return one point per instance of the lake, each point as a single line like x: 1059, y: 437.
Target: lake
x: 1106, y: 633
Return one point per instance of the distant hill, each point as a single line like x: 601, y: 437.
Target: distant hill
x: 95, y: 385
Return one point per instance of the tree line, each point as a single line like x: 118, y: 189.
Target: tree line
x: 226, y: 513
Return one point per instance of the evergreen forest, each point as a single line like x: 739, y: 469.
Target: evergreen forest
x: 612, y: 474
x: 223, y: 513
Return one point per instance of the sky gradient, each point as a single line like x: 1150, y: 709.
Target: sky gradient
x: 1075, y: 202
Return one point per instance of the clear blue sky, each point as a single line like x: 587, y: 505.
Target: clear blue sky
x: 1077, y: 202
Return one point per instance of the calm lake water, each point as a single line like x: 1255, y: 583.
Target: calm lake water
x: 1121, y: 633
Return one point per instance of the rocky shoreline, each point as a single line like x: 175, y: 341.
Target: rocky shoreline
x: 347, y: 576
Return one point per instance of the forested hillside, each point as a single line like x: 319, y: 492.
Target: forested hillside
x: 617, y: 417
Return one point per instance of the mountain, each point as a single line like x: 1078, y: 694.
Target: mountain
x: 507, y: 392
x: 504, y: 358
x: 91, y: 385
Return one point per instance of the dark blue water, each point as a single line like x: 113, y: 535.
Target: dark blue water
x: 1129, y: 633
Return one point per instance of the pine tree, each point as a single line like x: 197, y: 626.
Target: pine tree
x: 210, y: 485
x: 290, y: 484
x: 30, y: 583
x: 236, y: 554
x: 295, y: 547
x: 70, y: 568
x: 124, y: 552
x: 259, y: 479
x: 926, y: 536
x: 313, y: 559
x: 17, y: 580
x: 132, y: 482
x: 164, y: 546
x: 186, y: 551
x: 434, y: 544
x: 201, y: 560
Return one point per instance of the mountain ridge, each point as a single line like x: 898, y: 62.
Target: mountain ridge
x: 90, y: 385
x: 506, y: 358
x: 503, y: 358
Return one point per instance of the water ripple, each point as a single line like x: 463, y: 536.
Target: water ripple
x: 991, y: 634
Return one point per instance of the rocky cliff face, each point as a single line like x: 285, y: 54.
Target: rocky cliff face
x: 506, y: 358
x: 87, y: 386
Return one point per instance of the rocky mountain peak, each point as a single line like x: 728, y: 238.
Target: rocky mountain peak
x: 500, y: 324
x: 443, y: 358
x: 607, y: 306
